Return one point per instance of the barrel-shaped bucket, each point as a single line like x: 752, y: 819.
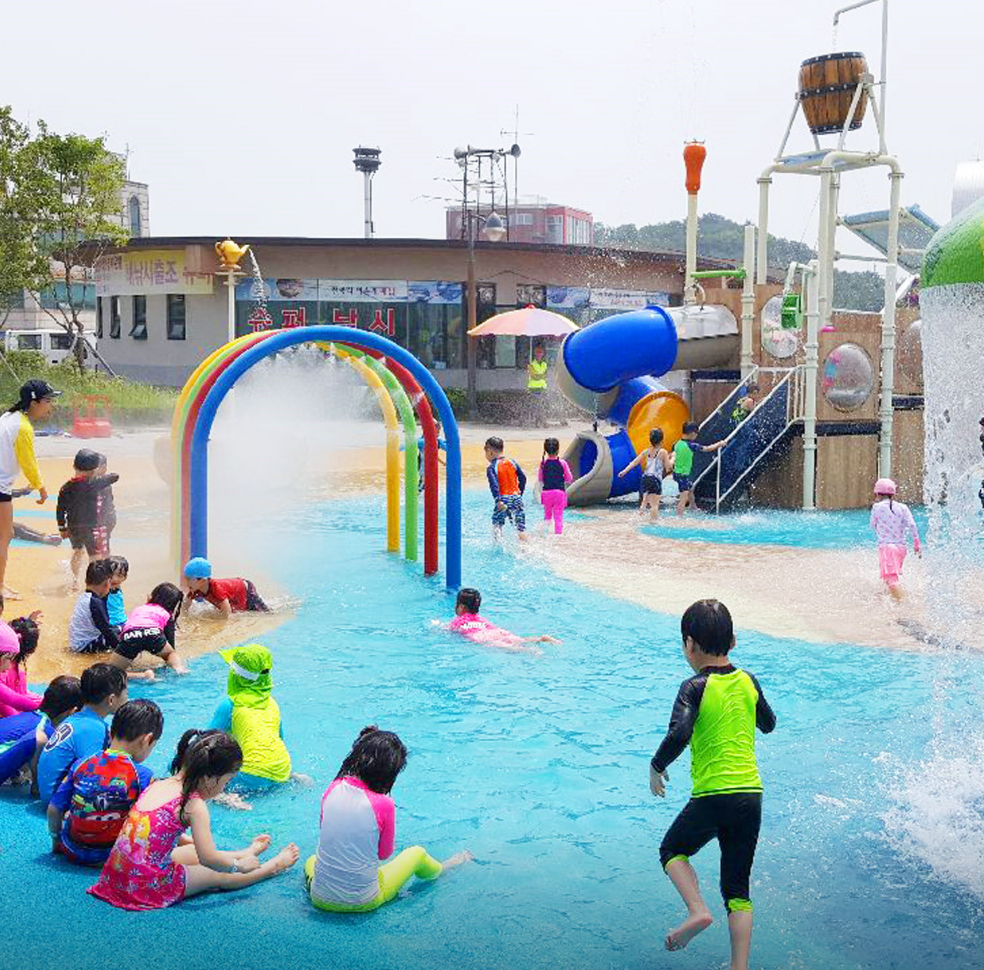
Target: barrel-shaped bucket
x: 826, y: 88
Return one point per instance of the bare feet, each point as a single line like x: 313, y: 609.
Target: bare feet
x: 459, y: 858
x: 231, y: 800
x: 677, y: 939
x: 259, y: 845
x: 284, y: 859
x: 10, y: 594
x: 305, y: 781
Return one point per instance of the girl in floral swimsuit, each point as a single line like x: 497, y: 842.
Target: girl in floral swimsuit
x: 154, y: 864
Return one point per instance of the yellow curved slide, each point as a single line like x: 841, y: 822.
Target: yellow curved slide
x: 661, y: 409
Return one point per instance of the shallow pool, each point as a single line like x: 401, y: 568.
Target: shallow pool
x: 539, y: 765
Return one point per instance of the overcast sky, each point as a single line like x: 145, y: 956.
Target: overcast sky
x: 242, y: 116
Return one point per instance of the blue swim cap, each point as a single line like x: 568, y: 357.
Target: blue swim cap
x: 198, y: 568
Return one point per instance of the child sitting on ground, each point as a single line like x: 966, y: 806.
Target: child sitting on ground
x: 22, y: 736
x: 658, y: 465
x: 89, y: 627
x: 893, y: 523
x: 507, y: 484
x: 228, y: 596
x: 554, y: 475
x: 76, y: 511
x: 358, y: 829
x: 154, y: 864
x: 476, y: 628
x: 114, y: 600
x: 683, y: 463
x: 151, y: 627
x: 17, y: 642
x: 104, y: 691
x: 716, y: 712
x: 88, y: 808
x: 252, y: 716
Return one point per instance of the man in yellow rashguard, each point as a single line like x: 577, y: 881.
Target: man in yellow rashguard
x: 716, y: 711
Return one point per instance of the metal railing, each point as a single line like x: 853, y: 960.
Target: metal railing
x: 788, y: 398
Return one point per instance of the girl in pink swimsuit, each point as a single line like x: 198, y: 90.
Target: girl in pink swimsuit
x: 154, y: 864
x: 476, y: 628
x: 555, y: 475
x: 17, y: 642
x: 892, y: 522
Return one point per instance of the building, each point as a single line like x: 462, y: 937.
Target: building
x: 537, y: 223
x: 163, y: 308
x: 29, y: 313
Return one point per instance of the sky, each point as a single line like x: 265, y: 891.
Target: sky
x: 242, y: 116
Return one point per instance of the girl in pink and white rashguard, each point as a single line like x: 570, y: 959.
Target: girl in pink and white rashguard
x: 358, y: 830
x: 476, y: 628
x: 893, y: 523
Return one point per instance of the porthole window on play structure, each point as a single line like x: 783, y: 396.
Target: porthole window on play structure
x: 777, y: 340
x: 848, y: 377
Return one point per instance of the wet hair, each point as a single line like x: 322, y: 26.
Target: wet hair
x: 168, y: 596
x: 119, y: 565
x: 708, y: 624
x: 551, y: 447
x: 376, y: 758
x: 101, y: 680
x: 135, y: 719
x: 204, y: 754
x: 469, y: 598
x: 63, y: 694
x: 98, y: 572
x: 86, y: 460
x: 656, y: 437
x: 690, y: 427
x: 494, y: 443
x: 28, y: 633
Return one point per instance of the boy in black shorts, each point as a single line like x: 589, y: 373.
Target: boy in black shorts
x: 78, y: 502
x: 726, y: 802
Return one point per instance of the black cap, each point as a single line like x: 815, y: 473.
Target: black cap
x: 87, y: 460
x: 36, y: 390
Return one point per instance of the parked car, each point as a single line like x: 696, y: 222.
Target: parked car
x: 55, y: 344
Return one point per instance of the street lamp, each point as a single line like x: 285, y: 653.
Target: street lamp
x: 494, y: 230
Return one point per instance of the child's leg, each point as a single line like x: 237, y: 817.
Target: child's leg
x: 201, y: 879
x: 77, y: 556
x: 693, y: 828
x: 559, y: 514
x: 410, y: 862
x: 684, y: 880
x: 738, y: 838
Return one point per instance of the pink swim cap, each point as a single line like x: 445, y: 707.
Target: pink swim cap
x: 884, y: 486
x: 9, y: 641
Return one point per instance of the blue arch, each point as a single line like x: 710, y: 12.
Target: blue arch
x: 198, y: 475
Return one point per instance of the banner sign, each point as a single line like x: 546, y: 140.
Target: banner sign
x: 149, y: 272
x: 605, y: 298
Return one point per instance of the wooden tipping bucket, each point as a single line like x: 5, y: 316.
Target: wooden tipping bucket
x: 826, y: 89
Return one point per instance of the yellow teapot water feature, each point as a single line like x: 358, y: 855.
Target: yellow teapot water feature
x: 230, y: 253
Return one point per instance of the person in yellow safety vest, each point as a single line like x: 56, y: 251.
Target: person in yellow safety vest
x: 536, y: 384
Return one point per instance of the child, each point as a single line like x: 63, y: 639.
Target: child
x: 658, y: 465
x: 88, y: 809
x: 151, y: 627
x: 22, y: 736
x: 507, y: 484
x: 228, y: 596
x: 76, y: 513
x: 89, y: 627
x: 115, y: 608
x: 892, y: 522
x: 105, y: 513
x: 744, y: 406
x: 442, y: 445
x: 252, y: 716
x: 683, y: 463
x: 716, y: 713
x: 154, y: 864
x: 358, y: 827
x: 17, y: 642
x: 104, y: 691
x: 476, y: 628
x: 554, y: 475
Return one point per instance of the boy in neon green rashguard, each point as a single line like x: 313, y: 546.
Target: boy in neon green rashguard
x: 716, y: 712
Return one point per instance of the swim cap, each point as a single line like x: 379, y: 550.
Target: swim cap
x: 198, y: 568
x: 249, y: 682
x: 9, y: 641
x: 884, y: 486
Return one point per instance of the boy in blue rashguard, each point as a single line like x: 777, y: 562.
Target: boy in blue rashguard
x: 104, y: 689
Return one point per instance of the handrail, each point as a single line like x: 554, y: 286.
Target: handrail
x: 747, y: 379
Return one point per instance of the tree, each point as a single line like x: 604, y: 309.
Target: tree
x: 60, y: 210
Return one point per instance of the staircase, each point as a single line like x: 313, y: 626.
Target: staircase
x: 722, y: 477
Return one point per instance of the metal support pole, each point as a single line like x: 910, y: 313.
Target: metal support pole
x: 835, y: 181
x: 748, y: 303
x: 368, y: 203
x: 472, y: 345
x: 824, y: 248
x: 810, y: 368
x: 762, y: 267
x: 688, y: 283
x: 886, y: 409
x: 231, y: 306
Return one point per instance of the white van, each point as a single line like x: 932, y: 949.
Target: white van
x: 54, y: 344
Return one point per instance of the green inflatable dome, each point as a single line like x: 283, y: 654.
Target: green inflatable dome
x: 956, y: 253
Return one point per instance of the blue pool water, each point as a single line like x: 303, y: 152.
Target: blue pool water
x: 540, y: 767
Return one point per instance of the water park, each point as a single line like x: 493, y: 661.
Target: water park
x: 330, y: 464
